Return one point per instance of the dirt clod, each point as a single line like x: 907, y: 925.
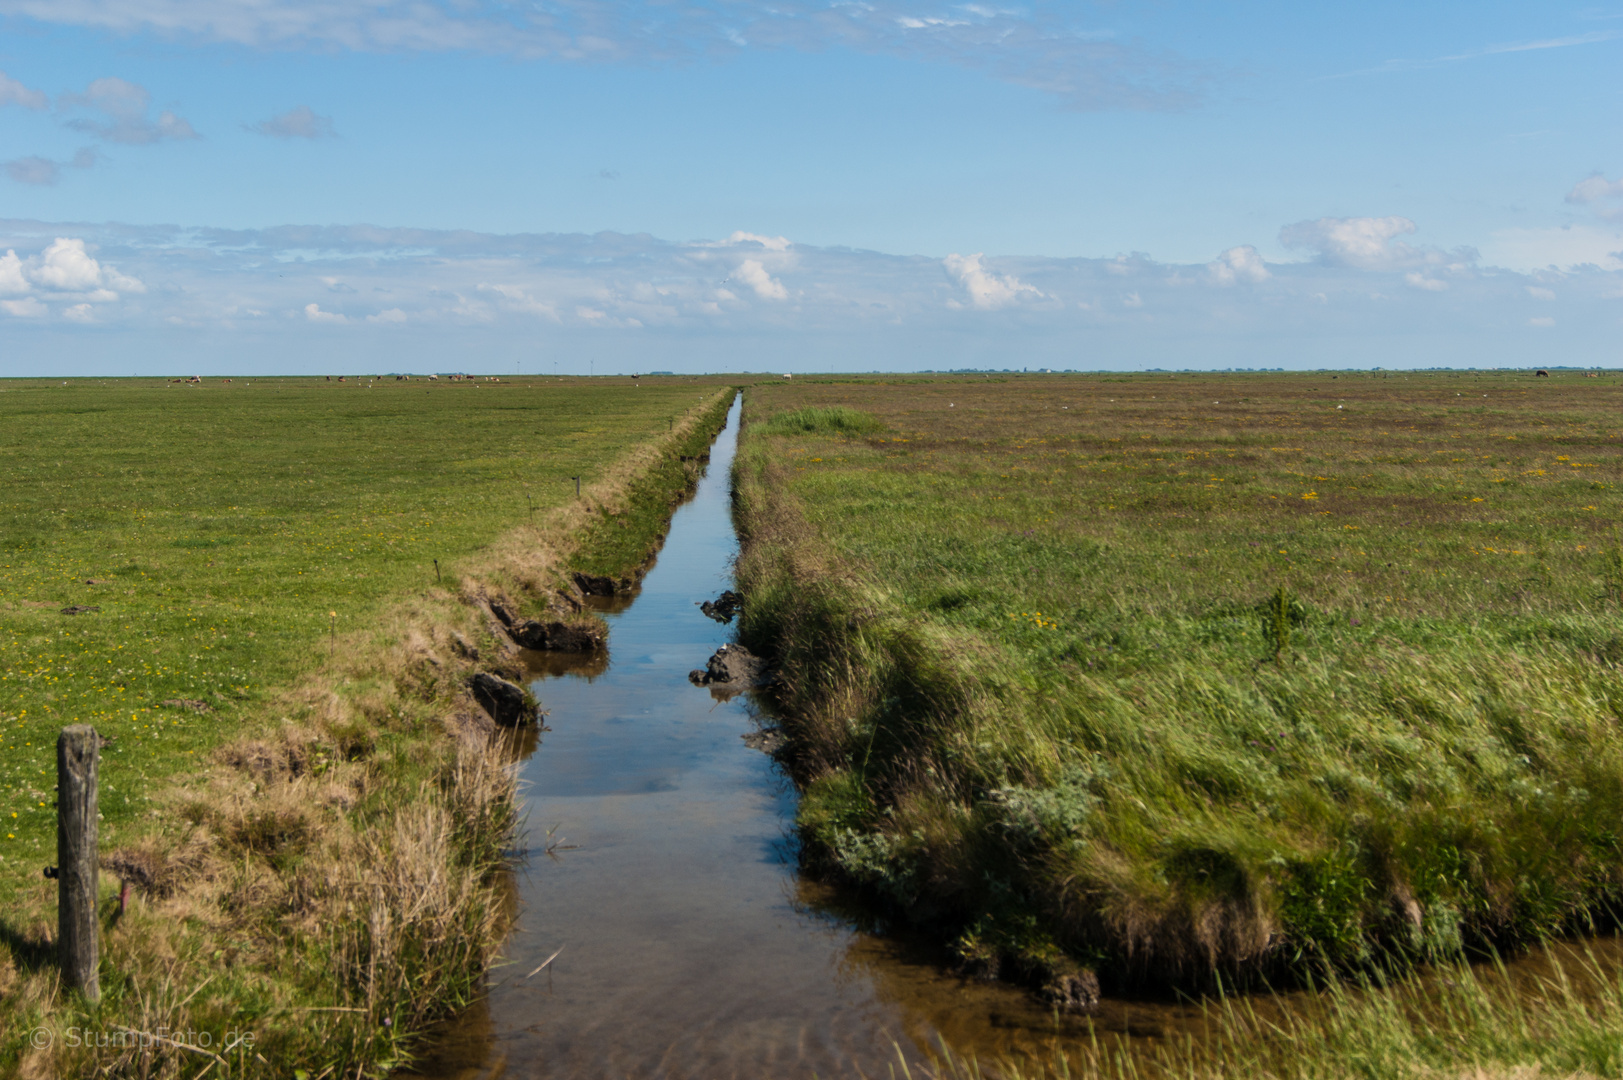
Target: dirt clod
x: 1075, y: 993
x: 593, y: 585
x: 732, y: 666
x: 503, y: 610
x: 507, y: 703
x: 557, y: 636
x: 723, y: 608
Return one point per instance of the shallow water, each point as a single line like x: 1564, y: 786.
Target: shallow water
x: 689, y: 945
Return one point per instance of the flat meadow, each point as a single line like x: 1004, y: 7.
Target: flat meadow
x: 1180, y: 679
x: 176, y: 561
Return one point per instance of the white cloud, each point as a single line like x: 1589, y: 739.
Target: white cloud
x: 1131, y: 265
x: 80, y: 313
x: 1365, y: 243
x: 1538, y: 292
x: 13, y: 92
x: 301, y: 122
x: 120, y: 282
x: 1590, y: 38
x: 12, y: 281
x: 1370, y: 243
x: 1594, y: 188
x: 314, y: 313
x: 26, y: 308
x: 122, y: 109
x: 1572, y: 245
x: 1045, y: 47
x: 771, y: 243
x: 753, y: 274
x: 986, y: 288
x: 507, y: 295
x: 1597, y: 189
x: 1418, y: 280
x: 513, y: 298
x: 1541, y: 320
x: 1238, y: 264
x: 65, y: 267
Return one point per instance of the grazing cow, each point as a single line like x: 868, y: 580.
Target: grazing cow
x: 1541, y: 374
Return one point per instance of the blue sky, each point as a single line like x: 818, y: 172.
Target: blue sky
x: 292, y: 185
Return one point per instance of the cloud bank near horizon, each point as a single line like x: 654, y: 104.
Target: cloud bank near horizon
x: 78, y: 298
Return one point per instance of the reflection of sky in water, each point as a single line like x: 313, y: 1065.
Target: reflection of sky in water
x: 690, y: 946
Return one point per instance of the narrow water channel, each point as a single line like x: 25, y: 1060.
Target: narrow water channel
x: 690, y: 947
x: 661, y: 872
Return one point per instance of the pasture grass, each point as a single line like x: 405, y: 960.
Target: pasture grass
x: 278, y: 663
x: 1192, y: 677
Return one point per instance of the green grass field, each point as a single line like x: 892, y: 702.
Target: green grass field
x: 1180, y: 676
x: 222, y: 523
x: 236, y: 541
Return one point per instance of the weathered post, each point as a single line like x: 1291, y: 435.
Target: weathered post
x: 78, y: 753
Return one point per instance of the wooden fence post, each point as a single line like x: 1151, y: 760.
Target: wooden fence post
x: 78, y: 754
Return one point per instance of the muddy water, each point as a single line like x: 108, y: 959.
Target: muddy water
x: 661, y: 873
